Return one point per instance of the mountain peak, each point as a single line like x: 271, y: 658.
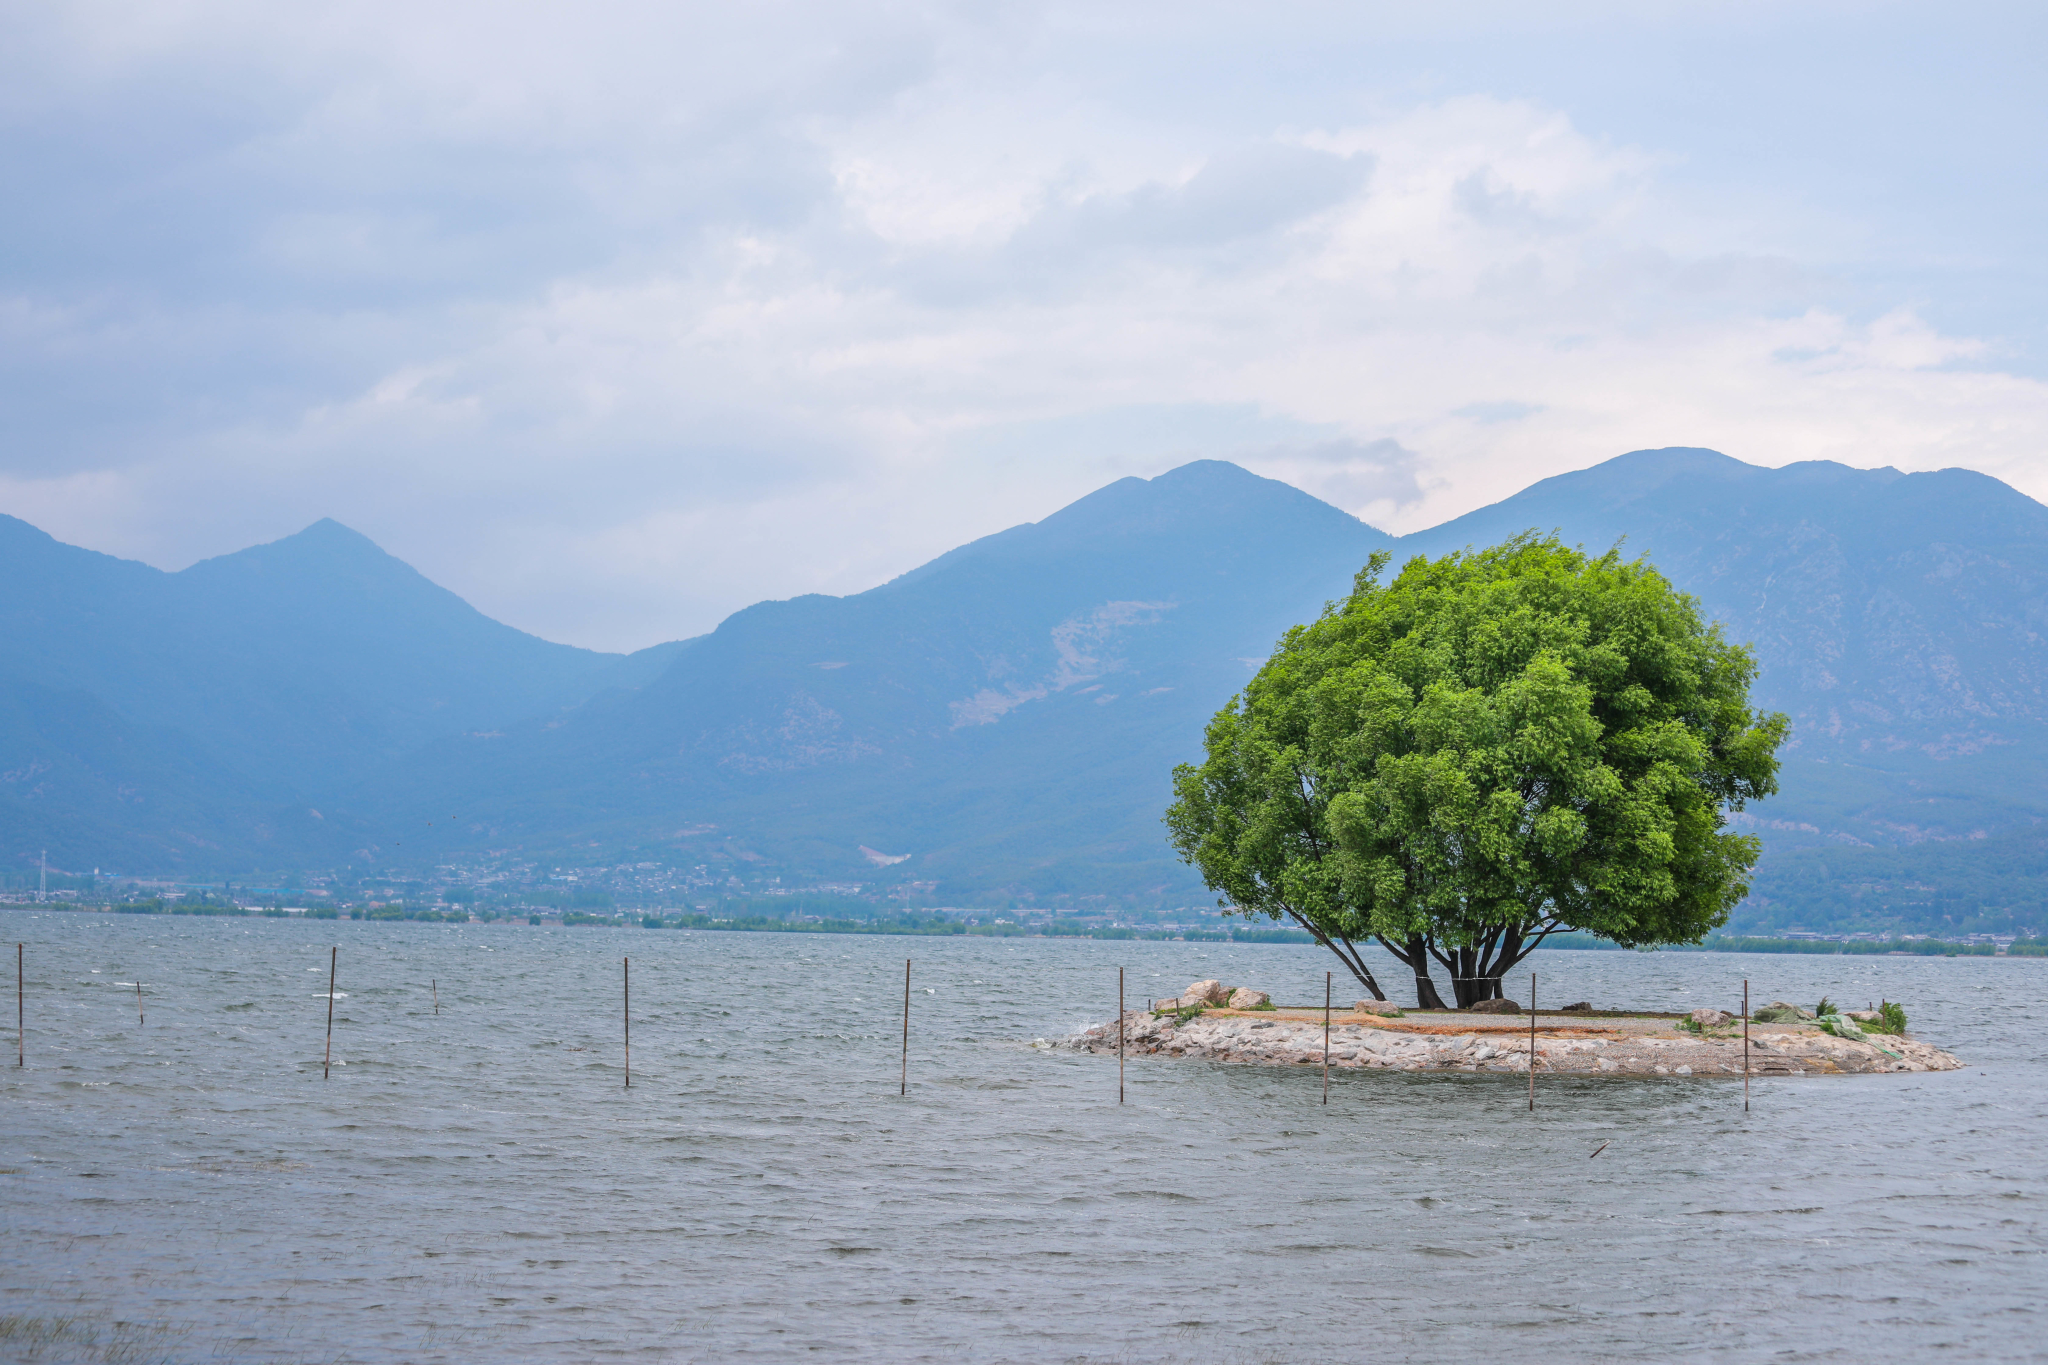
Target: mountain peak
x: 1211, y: 503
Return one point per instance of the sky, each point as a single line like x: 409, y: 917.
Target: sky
x: 614, y: 319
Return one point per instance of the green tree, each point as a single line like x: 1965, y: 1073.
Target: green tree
x: 1495, y: 746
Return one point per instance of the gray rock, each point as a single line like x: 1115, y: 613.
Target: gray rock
x: 1578, y: 1005
x: 1711, y: 1018
x: 1494, y: 1007
x: 1382, y: 1007
x: 1204, y: 993
x: 1245, y: 998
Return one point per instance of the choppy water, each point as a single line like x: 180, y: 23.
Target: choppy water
x: 478, y: 1186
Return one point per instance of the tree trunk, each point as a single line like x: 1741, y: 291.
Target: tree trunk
x: 1475, y: 972
x: 1426, y: 997
x: 1347, y: 953
x: 1415, y: 953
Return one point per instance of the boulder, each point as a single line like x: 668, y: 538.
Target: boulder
x: 1864, y: 1016
x: 1245, y: 998
x: 1494, y: 1007
x: 1711, y: 1018
x: 1384, y: 1007
x: 1204, y: 993
x: 1578, y: 1005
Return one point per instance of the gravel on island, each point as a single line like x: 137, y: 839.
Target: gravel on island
x: 1458, y: 1041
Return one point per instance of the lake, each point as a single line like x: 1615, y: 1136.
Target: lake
x: 480, y: 1185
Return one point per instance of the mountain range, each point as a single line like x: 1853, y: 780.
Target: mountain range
x: 1002, y: 721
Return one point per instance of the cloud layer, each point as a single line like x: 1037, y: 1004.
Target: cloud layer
x: 614, y: 321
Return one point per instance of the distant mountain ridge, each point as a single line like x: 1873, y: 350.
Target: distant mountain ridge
x: 1005, y: 715
x: 269, y: 679
x: 1008, y: 712
x: 1901, y: 619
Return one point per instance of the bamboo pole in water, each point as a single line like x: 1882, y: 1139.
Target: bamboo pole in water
x: 140, y: 1018
x: 1532, y: 1042
x: 903, y: 1087
x: 434, y: 985
x: 333, y: 960
x: 626, y: 964
x: 20, y: 1014
x: 1745, y: 1045
x: 1119, y: 1035
x: 1326, y: 1037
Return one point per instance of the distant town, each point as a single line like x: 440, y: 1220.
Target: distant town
x: 656, y: 895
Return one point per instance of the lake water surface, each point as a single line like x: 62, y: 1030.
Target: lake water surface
x: 479, y: 1185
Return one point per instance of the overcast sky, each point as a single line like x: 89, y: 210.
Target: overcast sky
x: 616, y: 318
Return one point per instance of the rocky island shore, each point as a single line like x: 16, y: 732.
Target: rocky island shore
x: 1216, y: 1024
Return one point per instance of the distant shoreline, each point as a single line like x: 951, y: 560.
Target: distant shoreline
x: 1118, y: 933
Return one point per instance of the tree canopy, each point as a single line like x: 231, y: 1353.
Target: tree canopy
x: 1497, y: 745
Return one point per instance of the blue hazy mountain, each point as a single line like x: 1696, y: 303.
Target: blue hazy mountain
x: 1901, y: 621
x: 1003, y: 719
x: 192, y: 717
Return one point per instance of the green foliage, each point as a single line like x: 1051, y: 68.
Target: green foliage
x: 1892, y: 1020
x: 323, y: 912
x: 1494, y: 745
x: 1826, y: 1006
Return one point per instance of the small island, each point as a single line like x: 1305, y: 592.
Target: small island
x: 1216, y: 1023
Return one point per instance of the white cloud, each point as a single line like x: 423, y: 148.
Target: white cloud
x: 614, y: 321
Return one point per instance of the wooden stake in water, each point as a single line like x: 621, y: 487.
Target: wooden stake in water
x: 333, y: 959
x: 904, y: 1087
x: 1119, y: 1035
x: 1326, y: 1037
x: 1745, y: 1045
x: 1532, y: 1042
x: 627, y: 964
x: 434, y: 985
x: 20, y: 1016
x: 140, y: 1019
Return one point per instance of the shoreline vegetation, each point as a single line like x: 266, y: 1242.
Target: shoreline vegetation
x: 915, y: 924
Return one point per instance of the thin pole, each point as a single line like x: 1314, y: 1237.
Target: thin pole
x: 333, y: 960
x: 140, y: 1018
x: 1532, y: 1042
x: 20, y: 1015
x: 1326, y: 1037
x: 434, y: 985
x: 1745, y: 1045
x: 904, y: 1087
x: 1119, y: 1035
x: 627, y: 964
